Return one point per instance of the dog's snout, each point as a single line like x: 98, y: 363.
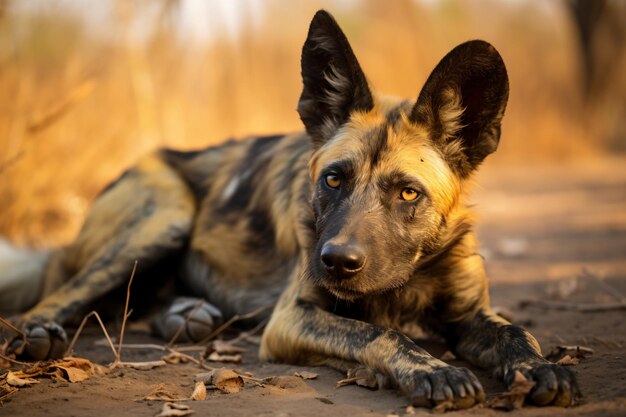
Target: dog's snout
x: 342, y: 261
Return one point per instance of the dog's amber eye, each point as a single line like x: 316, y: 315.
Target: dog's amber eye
x: 409, y: 194
x: 332, y: 181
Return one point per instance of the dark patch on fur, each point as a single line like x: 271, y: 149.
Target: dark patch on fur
x: 262, y: 232
x: 378, y: 144
x: 253, y: 165
x: 394, y: 114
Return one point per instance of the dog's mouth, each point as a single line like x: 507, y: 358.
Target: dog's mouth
x: 343, y: 293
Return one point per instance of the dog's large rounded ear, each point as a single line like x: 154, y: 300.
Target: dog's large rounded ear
x: 463, y: 102
x: 334, y: 84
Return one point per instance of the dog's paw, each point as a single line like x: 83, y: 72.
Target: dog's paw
x: 43, y: 341
x: 187, y: 319
x: 456, y: 386
x: 554, y: 384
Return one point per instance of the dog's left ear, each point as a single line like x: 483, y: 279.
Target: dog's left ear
x: 463, y: 102
x: 334, y: 84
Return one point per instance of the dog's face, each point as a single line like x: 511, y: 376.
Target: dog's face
x: 387, y: 174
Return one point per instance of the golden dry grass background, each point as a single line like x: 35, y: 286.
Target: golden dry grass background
x: 82, y: 97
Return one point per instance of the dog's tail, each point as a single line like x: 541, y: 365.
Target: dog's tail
x: 21, y: 276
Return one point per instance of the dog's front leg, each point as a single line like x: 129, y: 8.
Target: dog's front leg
x: 301, y: 332
x: 491, y: 342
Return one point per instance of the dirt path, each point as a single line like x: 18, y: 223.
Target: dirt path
x: 554, y: 233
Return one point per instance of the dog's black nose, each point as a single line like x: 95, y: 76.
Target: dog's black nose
x: 342, y: 261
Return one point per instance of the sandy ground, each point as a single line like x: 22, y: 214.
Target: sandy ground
x: 549, y: 232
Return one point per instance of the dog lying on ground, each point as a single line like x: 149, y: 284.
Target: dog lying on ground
x: 353, y: 229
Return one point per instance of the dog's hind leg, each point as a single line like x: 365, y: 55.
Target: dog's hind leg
x: 146, y: 216
x: 187, y: 319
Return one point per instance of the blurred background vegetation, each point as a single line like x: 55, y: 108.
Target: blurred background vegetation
x: 88, y: 87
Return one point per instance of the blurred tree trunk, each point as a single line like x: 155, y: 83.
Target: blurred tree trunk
x: 601, y: 26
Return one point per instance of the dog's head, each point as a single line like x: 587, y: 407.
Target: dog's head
x: 387, y: 174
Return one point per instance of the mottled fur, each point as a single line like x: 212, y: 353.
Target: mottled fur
x: 245, y: 224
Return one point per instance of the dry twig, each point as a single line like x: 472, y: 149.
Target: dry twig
x: 16, y: 362
x: 15, y: 329
x: 232, y: 320
x: 245, y: 335
x: 80, y: 329
x: 119, y: 349
x: 7, y: 395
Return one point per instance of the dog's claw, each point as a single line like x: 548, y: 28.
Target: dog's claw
x: 554, y: 385
x: 43, y: 341
x: 457, y: 386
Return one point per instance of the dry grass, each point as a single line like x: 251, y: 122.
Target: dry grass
x: 79, y: 106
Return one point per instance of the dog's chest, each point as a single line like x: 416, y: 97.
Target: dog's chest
x: 395, y: 309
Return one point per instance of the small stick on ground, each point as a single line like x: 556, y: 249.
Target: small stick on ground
x: 244, y: 335
x: 232, y: 320
x: 7, y: 395
x: 565, y: 306
x: 119, y: 349
x: 168, y: 349
x: 16, y: 362
x: 80, y: 329
x: 12, y: 327
x: 346, y: 381
x: 162, y: 347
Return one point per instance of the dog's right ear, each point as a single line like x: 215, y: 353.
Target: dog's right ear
x: 334, y: 84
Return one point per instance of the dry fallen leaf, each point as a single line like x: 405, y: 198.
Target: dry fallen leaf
x: 33, y: 372
x: 199, y: 392
x: 363, y: 377
x: 217, y: 357
x: 6, y: 390
x: 159, y: 393
x: 175, y: 358
x: 15, y: 381
x: 175, y: 410
x: 224, y: 379
x: 306, y: 375
x: 410, y: 410
x: 72, y: 369
x: 514, y: 398
x: 567, y: 360
x: 575, y: 352
x: 74, y: 374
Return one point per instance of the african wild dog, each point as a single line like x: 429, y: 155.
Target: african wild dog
x: 355, y: 228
